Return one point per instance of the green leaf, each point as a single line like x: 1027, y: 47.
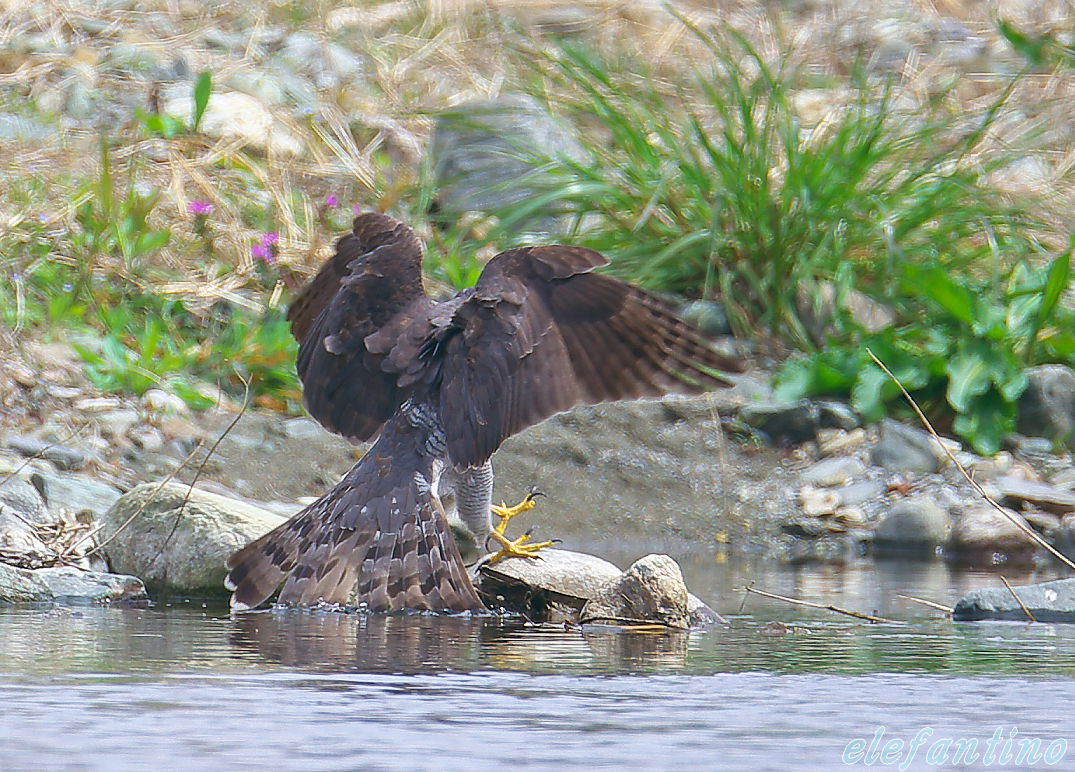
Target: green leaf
x: 989, y: 419
x: 935, y: 284
x: 969, y: 375
x: 870, y: 392
x: 203, y: 87
x: 1032, y: 48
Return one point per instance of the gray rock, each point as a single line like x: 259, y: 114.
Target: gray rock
x: 983, y: 535
x: 1016, y: 490
x: 74, y: 495
x: 836, y: 415
x: 913, y: 526
x: 302, y: 428
x: 61, y: 456
x: 650, y: 591
x: 708, y: 316
x: 835, y: 471
x: 22, y: 513
x: 485, y: 153
x: 1048, y: 602
x: 180, y: 549
x: 902, y: 449
x: 1047, y: 406
x: 66, y: 585
x: 790, y: 421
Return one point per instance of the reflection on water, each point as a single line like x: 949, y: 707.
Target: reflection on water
x: 314, y: 690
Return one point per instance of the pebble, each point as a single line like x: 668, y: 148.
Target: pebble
x: 164, y: 403
x: 833, y: 472
x: 833, y: 441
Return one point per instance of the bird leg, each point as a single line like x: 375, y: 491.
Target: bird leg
x: 518, y: 548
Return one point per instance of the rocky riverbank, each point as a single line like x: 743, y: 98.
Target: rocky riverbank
x: 730, y: 472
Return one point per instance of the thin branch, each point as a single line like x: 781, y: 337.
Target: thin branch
x: 1016, y: 521
x: 201, y: 466
x: 141, y: 509
x: 823, y: 606
x: 930, y: 603
x: 1018, y: 600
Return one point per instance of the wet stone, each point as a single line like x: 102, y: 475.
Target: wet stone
x: 1048, y: 602
x: 650, y: 591
x: 983, y: 535
x: 67, y: 585
x: 914, y: 526
x: 1043, y: 495
x: 557, y: 585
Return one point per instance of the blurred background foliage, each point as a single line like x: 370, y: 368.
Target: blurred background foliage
x: 796, y: 183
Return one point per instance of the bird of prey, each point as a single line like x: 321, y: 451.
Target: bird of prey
x: 441, y: 384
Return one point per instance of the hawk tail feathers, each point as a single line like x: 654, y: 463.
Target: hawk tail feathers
x: 376, y: 534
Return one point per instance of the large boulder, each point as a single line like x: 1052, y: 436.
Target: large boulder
x: 177, y: 540
x: 66, y: 584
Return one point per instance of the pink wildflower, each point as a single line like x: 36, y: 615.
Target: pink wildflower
x: 200, y: 208
x: 270, y: 238
x: 263, y: 252
x: 331, y: 201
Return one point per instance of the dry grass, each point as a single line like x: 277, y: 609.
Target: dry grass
x: 363, y: 140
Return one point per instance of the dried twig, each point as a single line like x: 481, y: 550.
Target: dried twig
x: 930, y: 603
x: 201, y: 467
x: 823, y: 606
x: 1018, y: 600
x: 1017, y: 522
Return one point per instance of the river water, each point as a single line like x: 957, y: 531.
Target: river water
x: 185, y: 686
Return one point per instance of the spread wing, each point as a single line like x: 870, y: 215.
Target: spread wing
x: 374, y: 275
x: 541, y: 333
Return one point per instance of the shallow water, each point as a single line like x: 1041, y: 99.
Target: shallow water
x: 189, y: 687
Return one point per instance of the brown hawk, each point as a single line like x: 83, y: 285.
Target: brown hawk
x: 442, y: 384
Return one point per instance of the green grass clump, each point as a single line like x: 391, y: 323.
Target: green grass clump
x: 716, y: 188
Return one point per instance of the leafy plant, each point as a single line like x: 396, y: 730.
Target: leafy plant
x: 965, y: 356
x: 114, y: 225
x: 171, y: 126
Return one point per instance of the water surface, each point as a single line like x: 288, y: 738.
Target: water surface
x: 187, y: 686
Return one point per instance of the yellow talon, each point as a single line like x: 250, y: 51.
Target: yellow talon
x: 518, y: 548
